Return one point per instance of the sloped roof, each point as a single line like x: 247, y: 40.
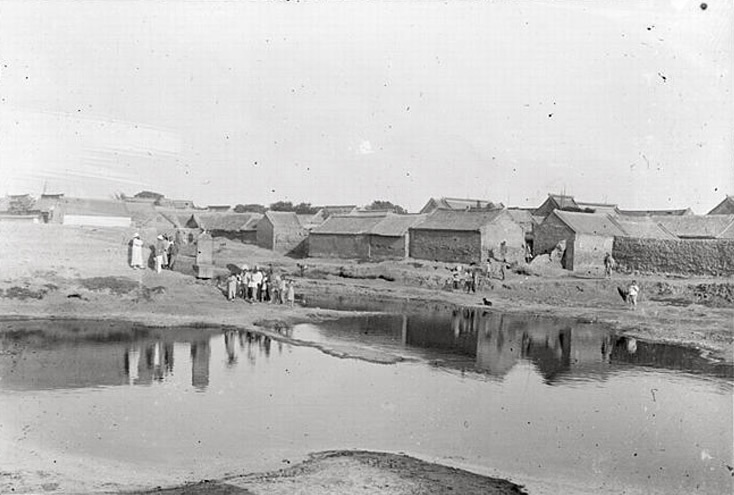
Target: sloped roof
x: 521, y: 216
x: 600, y: 224
x: 697, y: 226
x: 283, y: 219
x: 348, y: 224
x: 563, y: 201
x: 396, y: 225
x: 94, y: 207
x: 651, y: 213
x: 644, y: 228
x: 232, y: 222
x: 726, y: 207
x: 598, y: 207
x: 470, y: 220
x: 458, y: 204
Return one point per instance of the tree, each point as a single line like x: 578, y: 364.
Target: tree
x: 282, y: 206
x: 250, y: 208
x: 386, y: 205
x: 305, y: 209
x: 149, y: 195
x: 20, y: 205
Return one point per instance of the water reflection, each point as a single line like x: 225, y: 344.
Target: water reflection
x: 79, y: 354
x: 494, y: 343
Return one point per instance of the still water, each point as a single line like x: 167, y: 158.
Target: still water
x: 550, y: 403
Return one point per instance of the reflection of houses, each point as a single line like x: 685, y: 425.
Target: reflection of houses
x: 200, y: 356
x: 467, y: 236
x: 282, y: 232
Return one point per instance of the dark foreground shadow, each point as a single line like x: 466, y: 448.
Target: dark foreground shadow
x: 339, y: 471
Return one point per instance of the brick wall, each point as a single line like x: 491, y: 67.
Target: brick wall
x: 549, y: 233
x: 387, y: 247
x: 337, y: 246
x: 589, y: 252
x: 445, y: 245
x: 504, y: 229
x: 687, y: 257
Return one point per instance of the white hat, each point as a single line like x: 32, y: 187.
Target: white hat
x: 160, y: 237
x: 136, y: 235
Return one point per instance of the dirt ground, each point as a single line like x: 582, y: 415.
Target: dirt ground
x: 74, y: 272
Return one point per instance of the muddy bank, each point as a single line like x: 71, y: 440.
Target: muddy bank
x: 354, y: 472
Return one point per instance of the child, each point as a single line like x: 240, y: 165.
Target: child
x: 291, y: 293
x: 632, y: 292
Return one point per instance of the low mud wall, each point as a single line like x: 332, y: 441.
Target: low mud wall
x: 686, y: 257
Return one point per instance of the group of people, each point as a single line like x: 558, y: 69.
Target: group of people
x: 257, y: 285
x: 164, y: 251
x: 466, y: 279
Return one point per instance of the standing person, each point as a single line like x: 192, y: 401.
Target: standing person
x: 291, y: 293
x: 609, y: 265
x: 159, y: 254
x: 282, y: 289
x: 231, y: 287
x: 166, y: 245
x: 248, y: 283
x: 173, y: 254
x: 136, y: 252
x: 265, y: 288
x: 257, y: 280
x: 473, y: 284
x: 632, y: 292
x: 275, y: 289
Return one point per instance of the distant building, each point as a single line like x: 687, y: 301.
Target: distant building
x: 457, y: 204
x: 655, y: 213
x: 282, y: 232
x: 588, y: 237
x: 235, y: 226
x: 84, y: 211
x: 726, y: 207
x: 326, y: 211
x: 218, y: 208
x: 363, y: 236
x: 467, y: 236
x: 568, y: 203
x: 699, y: 226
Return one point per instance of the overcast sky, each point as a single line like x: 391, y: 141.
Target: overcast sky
x: 348, y: 101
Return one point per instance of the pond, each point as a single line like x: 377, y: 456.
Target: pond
x: 553, y: 404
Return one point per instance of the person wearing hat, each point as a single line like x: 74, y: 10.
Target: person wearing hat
x: 159, y: 250
x: 136, y: 252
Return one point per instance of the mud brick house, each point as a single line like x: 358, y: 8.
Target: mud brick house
x: 363, y: 236
x: 343, y: 236
x: 467, y: 236
x: 282, y: 232
x: 588, y: 236
x: 457, y: 204
x: 726, y: 207
x: 326, y: 211
x: 568, y: 203
x: 236, y: 226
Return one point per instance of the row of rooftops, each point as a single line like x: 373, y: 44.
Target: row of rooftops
x: 438, y: 213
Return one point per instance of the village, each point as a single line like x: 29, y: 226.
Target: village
x: 451, y: 230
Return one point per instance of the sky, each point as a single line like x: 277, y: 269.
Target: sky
x: 346, y: 102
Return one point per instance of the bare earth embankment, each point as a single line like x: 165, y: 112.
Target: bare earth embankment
x: 49, y: 271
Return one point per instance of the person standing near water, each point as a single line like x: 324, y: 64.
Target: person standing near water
x: 136, y: 252
x: 632, y: 292
x: 291, y: 293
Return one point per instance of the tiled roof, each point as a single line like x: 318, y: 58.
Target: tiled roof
x: 697, y: 226
x: 472, y: 220
x: 644, y: 228
x: 348, y: 224
x: 563, y: 201
x: 590, y: 223
x: 650, y: 213
x: 283, y: 219
x: 726, y: 207
x: 232, y: 222
x: 396, y: 225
